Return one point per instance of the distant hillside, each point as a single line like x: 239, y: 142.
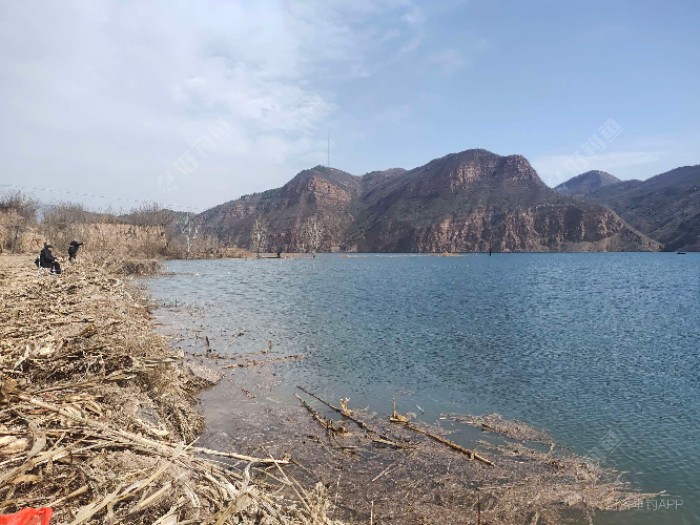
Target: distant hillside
x: 665, y: 207
x: 462, y: 202
x: 474, y: 200
x: 586, y: 183
x: 310, y: 212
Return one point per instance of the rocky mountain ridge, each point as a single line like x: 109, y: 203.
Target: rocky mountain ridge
x: 470, y: 201
x: 665, y: 207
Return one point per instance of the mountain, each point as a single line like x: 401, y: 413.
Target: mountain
x: 474, y: 200
x: 665, y: 207
x: 310, y: 212
x: 586, y: 183
x: 463, y: 202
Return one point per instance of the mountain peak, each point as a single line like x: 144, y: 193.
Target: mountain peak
x: 586, y: 183
x: 466, y: 156
x: 331, y: 175
x: 474, y: 152
x: 519, y: 168
x: 473, y: 166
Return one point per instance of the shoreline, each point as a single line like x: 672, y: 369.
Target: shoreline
x: 370, y: 480
x: 98, y: 418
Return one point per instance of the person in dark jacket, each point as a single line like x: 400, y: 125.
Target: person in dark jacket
x: 48, y: 260
x: 73, y: 250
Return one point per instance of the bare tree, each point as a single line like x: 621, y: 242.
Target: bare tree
x: 258, y: 236
x: 18, y: 213
x: 64, y: 214
x: 24, y: 205
x: 311, y: 235
x: 150, y: 214
x: 189, y: 229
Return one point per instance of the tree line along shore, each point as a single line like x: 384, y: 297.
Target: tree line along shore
x: 144, y: 232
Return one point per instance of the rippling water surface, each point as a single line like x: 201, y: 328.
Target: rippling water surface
x: 601, y: 350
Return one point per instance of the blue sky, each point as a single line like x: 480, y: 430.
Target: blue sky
x: 194, y: 103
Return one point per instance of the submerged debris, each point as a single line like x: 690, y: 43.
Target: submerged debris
x: 419, y: 480
x: 383, y: 472
x: 496, y: 424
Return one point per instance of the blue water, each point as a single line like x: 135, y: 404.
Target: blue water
x: 600, y: 350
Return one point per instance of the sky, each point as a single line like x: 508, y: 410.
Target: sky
x: 191, y: 104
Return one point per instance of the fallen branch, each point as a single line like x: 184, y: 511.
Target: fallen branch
x: 255, y: 362
x: 327, y: 424
x: 364, y: 426
x: 402, y: 420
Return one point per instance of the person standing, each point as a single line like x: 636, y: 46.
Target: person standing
x: 73, y: 250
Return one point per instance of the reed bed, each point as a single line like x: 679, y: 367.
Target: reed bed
x: 97, y: 415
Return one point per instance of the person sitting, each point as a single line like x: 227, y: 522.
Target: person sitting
x: 48, y: 260
x: 73, y: 250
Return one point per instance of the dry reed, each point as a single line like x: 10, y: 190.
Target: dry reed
x: 97, y: 417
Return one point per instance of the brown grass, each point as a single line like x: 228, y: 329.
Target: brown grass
x: 139, y: 267
x: 97, y: 417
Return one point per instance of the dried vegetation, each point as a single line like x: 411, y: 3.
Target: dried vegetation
x: 97, y: 417
x: 398, y: 471
x: 97, y: 421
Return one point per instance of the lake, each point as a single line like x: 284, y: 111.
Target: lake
x: 600, y: 350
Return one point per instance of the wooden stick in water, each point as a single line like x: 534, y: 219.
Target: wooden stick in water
x: 364, y: 426
x: 459, y: 448
x: 325, y: 423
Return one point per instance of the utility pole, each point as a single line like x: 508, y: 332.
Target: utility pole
x: 329, y: 148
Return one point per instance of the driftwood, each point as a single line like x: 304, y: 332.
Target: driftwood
x: 326, y: 423
x: 382, y: 439
x: 403, y: 420
x: 496, y: 424
x: 255, y: 362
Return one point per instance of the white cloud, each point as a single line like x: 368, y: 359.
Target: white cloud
x: 414, y: 17
x: 415, y: 22
x: 106, y: 96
